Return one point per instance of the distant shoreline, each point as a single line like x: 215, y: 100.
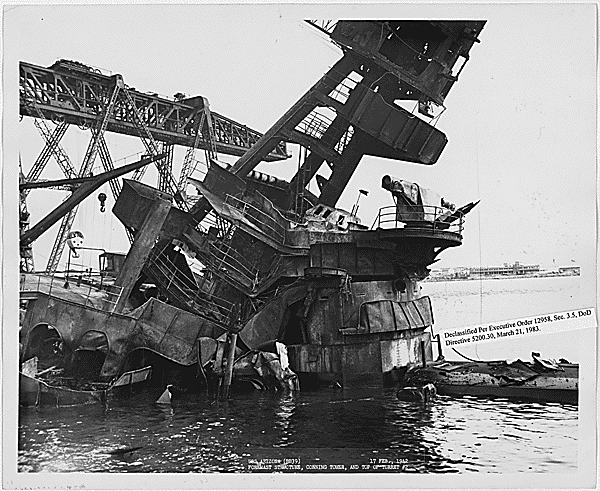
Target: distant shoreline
x: 429, y: 279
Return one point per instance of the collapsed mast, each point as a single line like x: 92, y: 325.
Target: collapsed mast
x: 356, y: 108
x: 270, y: 246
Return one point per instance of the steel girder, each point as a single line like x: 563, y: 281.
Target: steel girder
x: 107, y: 163
x: 86, y: 166
x: 52, y: 148
x: 203, y: 131
x: 83, y: 191
x: 167, y: 164
x: 76, y: 93
x: 26, y: 253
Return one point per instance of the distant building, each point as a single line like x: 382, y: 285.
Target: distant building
x: 449, y: 273
x: 516, y: 269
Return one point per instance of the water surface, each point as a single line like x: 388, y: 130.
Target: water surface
x: 451, y: 435
x: 325, y: 427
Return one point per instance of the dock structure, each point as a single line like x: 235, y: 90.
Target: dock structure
x: 281, y: 265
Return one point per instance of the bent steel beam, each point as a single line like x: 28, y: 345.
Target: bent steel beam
x: 78, y: 196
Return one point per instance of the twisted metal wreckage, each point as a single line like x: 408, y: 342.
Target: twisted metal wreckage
x: 299, y: 288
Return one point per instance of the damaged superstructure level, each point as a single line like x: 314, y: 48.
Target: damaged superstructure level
x: 292, y: 288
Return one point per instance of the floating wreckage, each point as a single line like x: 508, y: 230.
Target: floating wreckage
x: 539, y: 380
x: 292, y: 289
x: 51, y: 388
x: 425, y: 394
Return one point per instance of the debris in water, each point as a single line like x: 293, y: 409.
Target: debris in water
x: 123, y: 450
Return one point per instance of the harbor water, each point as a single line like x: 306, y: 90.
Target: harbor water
x: 332, y: 430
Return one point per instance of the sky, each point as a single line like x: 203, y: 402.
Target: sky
x: 520, y: 121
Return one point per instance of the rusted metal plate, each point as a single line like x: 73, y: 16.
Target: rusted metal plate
x: 357, y: 261
x: 399, y: 317
x: 395, y: 353
x: 362, y: 358
x: 412, y: 314
x: 422, y: 54
x: 186, y: 326
x: 158, y: 326
x: 405, y: 135
x: 267, y: 323
x: 380, y: 316
x: 135, y: 202
x: 309, y: 359
x: 315, y: 359
x: 388, y: 315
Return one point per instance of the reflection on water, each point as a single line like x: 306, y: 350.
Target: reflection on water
x: 328, y: 427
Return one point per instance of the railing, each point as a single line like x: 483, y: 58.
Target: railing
x: 256, y: 216
x: 53, y: 285
x: 275, y: 271
x: 342, y: 92
x: 314, y: 125
x: 225, y: 257
x: 425, y: 217
x: 169, y: 277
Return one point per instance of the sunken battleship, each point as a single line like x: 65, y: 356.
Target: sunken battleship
x: 292, y: 290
